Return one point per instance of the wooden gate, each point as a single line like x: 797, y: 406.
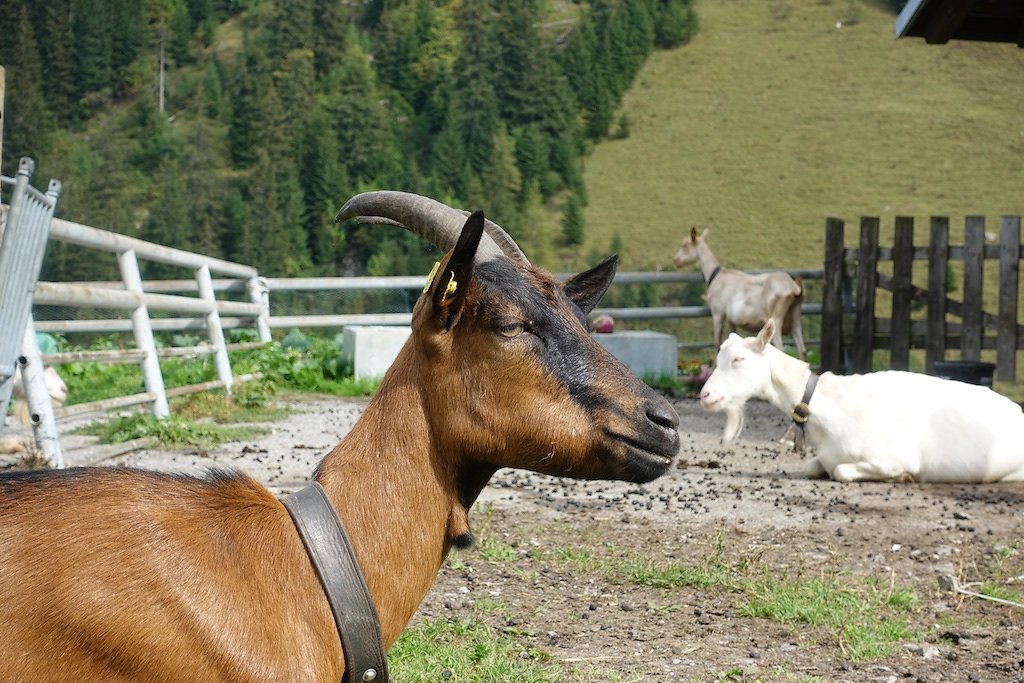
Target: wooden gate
x: 852, y: 329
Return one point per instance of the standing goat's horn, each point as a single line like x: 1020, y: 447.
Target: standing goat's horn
x: 436, y: 222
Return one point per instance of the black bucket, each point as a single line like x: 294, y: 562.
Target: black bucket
x: 970, y: 371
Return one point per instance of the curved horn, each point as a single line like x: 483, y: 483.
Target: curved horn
x: 436, y: 222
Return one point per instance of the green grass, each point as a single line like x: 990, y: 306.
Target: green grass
x: 466, y: 651
x: 772, y: 119
x: 864, y: 621
x: 172, y: 432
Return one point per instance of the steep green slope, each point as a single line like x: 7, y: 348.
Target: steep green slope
x: 777, y: 116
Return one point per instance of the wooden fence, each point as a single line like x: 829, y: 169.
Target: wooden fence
x: 852, y: 329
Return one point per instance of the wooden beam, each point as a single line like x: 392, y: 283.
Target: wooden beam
x: 946, y: 19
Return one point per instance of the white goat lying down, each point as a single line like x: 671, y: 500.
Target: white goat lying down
x: 878, y: 426
x: 745, y: 300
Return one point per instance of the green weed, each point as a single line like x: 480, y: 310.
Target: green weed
x: 864, y: 621
x: 466, y: 651
x: 172, y: 432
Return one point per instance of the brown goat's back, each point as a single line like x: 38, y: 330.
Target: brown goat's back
x: 155, y: 577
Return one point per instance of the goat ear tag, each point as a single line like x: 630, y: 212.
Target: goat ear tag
x: 430, y: 278
x: 450, y: 289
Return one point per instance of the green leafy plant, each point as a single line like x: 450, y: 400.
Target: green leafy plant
x: 171, y: 432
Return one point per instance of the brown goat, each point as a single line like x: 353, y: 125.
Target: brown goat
x: 117, y: 574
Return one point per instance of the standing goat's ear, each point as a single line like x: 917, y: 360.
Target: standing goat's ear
x: 451, y: 281
x: 587, y: 288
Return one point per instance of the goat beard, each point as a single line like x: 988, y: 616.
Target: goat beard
x: 734, y: 420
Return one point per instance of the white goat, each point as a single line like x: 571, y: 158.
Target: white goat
x: 745, y: 300
x: 878, y: 426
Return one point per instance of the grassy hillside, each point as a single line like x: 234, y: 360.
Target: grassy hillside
x: 776, y: 117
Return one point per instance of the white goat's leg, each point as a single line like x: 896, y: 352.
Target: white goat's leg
x: 867, y: 471
x: 1017, y: 475
x: 734, y: 421
x: 814, y: 469
x: 789, y: 438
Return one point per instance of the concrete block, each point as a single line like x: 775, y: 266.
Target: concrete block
x: 644, y: 352
x: 373, y: 348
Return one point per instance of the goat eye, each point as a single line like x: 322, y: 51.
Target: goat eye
x: 737, y: 361
x: 512, y: 329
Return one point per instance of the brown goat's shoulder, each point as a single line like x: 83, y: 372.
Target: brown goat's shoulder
x: 150, y: 576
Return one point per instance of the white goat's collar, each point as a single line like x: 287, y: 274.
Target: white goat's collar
x: 714, y: 274
x: 802, y: 410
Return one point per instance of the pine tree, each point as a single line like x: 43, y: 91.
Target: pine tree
x: 532, y: 86
x: 397, y: 45
x: 129, y: 37
x: 324, y: 185
x: 248, y: 109
x: 332, y: 22
x: 477, y: 109
x: 572, y: 221
x: 55, y: 43
x: 361, y: 120
x: 290, y: 27
x: 28, y: 122
x: 527, y: 227
x: 585, y: 75
x: 500, y: 179
x: 533, y: 156
x: 676, y: 23
x: 93, y: 50
x: 167, y: 219
x: 449, y: 163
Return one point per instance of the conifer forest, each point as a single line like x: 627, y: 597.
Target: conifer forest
x: 236, y: 128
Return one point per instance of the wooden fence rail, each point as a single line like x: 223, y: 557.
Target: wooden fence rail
x: 852, y: 329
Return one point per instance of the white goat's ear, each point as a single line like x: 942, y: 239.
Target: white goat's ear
x: 587, y: 288
x: 704, y: 235
x: 693, y: 234
x: 764, y: 337
x: 451, y: 282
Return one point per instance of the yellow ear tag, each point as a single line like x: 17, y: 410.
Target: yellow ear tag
x: 430, y: 278
x: 451, y: 288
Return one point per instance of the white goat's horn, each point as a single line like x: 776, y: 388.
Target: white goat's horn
x: 438, y: 223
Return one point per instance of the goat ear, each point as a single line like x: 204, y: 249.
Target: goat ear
x: 587, y: 288
x: 451, y: 282
x: 693, y: 234
x: 764, y: 337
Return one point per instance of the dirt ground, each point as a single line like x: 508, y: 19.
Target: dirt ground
x: 744, y: 504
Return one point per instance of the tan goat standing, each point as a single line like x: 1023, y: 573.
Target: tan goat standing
x: 745, y: 300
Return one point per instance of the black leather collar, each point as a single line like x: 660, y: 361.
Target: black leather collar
x: 335, y: 562
x: 714, y: 274
x: 802, y: 410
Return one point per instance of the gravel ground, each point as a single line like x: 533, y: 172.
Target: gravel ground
x: 746, y: 503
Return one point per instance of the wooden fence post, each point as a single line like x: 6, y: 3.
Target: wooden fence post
x: 902, y: 293
x: 1009, y: 278
x: 867, y: 281
x: 938, y: 268
x: 832, y: 298
x: 972, y: 325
